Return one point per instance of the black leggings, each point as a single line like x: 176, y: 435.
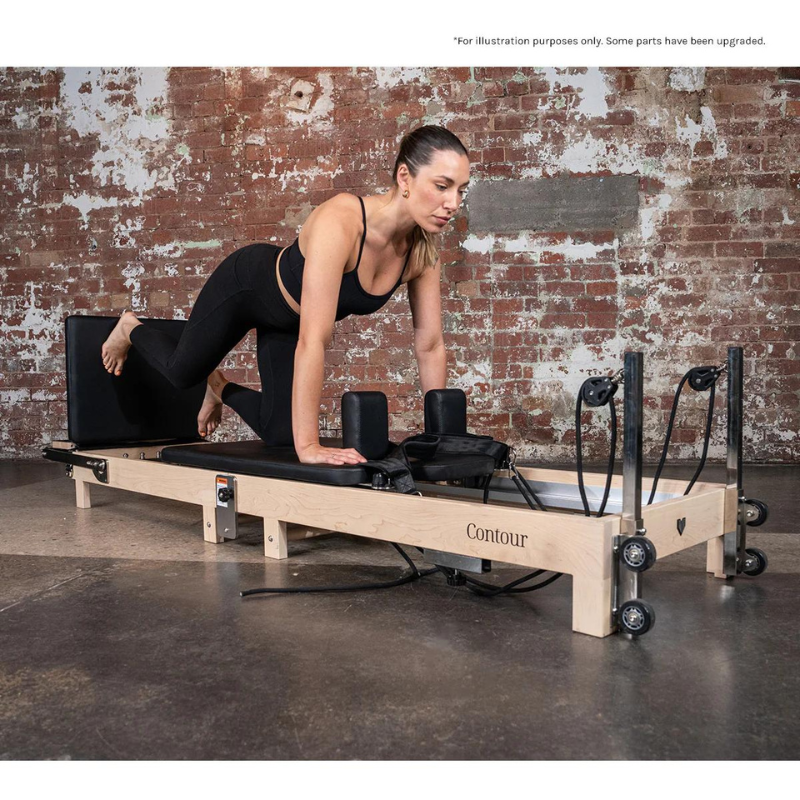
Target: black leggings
x: 241, y: 294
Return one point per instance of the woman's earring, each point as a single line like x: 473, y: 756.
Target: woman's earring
x: 405, y: 193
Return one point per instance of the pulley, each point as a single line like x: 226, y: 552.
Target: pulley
x: 598, y: 390
x: 701, y: 379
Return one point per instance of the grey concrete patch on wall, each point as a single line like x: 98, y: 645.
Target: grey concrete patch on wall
x: 548, y: 204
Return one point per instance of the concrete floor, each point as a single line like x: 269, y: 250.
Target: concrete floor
x: 122, y: 636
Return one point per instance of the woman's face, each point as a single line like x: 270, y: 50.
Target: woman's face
x: 437, y: 190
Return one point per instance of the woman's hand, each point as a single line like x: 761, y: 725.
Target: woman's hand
x: 317, y: 454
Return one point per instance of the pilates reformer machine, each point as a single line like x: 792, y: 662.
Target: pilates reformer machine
x: 459, y: 498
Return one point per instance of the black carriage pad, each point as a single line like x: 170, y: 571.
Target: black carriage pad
x: 136, y: 406
x: 265, y: 461
x: 257, y: 458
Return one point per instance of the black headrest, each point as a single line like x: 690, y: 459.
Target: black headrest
x: 139, y: 405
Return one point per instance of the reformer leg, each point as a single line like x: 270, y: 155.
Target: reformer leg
x: 715, y: 557
x: 83, y: 498
x: 715, y: 552
x: 210, y: 525
x: 275, y: 539
x: 592, y: 600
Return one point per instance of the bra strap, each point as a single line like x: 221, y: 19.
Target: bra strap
x: 363, y: 235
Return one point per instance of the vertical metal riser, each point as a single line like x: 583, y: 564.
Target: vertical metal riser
x: 734, y: 542
x: 225, y: 509
x: 629, y: 583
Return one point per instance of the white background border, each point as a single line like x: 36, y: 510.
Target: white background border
x: 380, y: 33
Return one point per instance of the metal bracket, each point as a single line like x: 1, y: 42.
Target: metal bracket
x: 99, y: 469
x: 225, y: 511
x: 98, y: 466
x: 455, y: 561
x: 746, y: 511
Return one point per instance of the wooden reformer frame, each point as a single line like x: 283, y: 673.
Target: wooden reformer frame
x: 453, y: 519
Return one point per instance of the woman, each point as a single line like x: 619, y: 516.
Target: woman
x: 351, y: 255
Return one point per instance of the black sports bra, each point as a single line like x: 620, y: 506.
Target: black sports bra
x: 352, y: 297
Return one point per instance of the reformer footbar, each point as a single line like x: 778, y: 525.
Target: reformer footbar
x: 463, y: 510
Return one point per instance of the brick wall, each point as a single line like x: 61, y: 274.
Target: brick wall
x: 125, y: 187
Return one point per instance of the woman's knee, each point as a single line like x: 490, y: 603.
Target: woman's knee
x: 276, y: 436
x: 186, y: 379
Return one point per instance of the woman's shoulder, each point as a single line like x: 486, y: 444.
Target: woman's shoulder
x: 338, y: 216
x: 343, y: 206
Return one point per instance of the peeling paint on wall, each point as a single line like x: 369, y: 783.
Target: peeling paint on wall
x: 691, y: 132
x: 39, y: 327
x: 387, y: 77
x: 588, y: 155
x: 590, y: 87
x: 91, y: 110
x: 650, y: 215
x: 687, y: 79
x: 536, y: 246
x: 86, y: 203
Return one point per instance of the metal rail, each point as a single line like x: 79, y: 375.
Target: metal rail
x: 734, y: 542
x: 628, y: 584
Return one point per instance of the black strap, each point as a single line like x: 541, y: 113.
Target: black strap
x: 425, y: 446
x: 398, y: 472
x: 363, y: 235
x: 525, y: 489
x: 472, y: 444
x: 422, y: 446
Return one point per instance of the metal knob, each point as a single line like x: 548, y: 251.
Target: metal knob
x: 225, y: 494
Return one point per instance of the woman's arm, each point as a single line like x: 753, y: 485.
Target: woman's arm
x: 424, y: 295
x: 328, y: 244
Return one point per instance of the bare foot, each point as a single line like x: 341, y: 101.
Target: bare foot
x: 210, y: 415
x: 115, y: 348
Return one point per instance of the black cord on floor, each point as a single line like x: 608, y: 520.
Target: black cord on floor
x: 413, y: 575
x: 489, y: 590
